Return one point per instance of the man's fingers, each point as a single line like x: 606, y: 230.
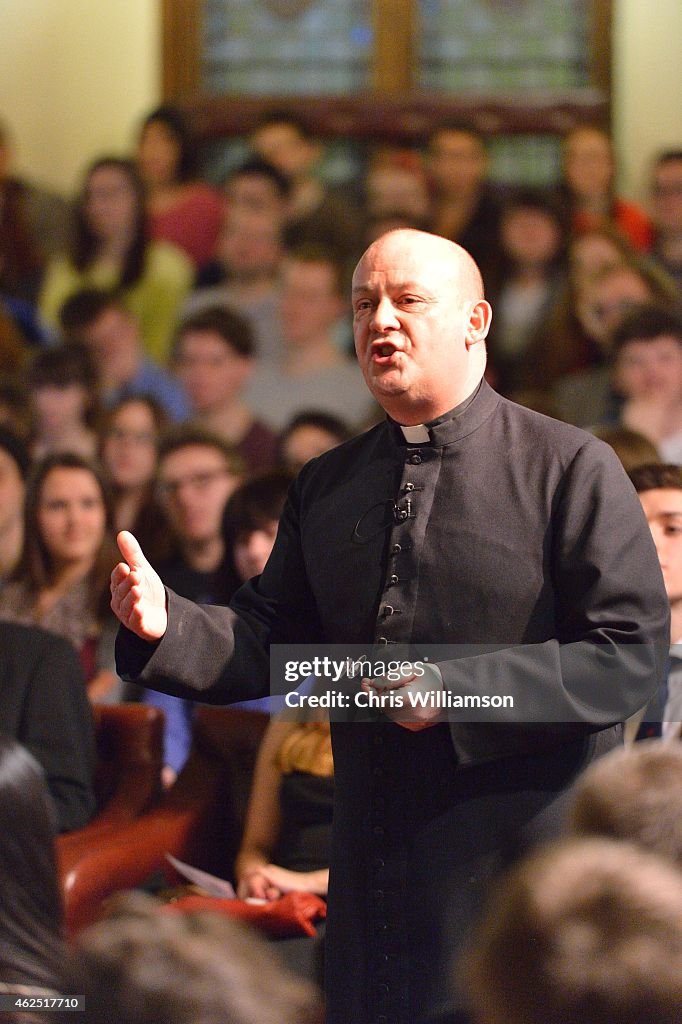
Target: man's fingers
x: 131, y: 550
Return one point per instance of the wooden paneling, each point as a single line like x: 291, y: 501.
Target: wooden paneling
x: 181, y: 44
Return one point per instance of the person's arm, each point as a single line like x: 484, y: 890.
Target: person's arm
x: 171, y: 643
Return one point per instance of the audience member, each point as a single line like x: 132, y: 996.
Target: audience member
x: 250, y: 522
x: 144, y: 967
x: 633, y: 794
x: 14, y: 466
x: 310, y: 433
x: 197, y: 472
x: 666, y: 189
x: 659, y: 487
x: 588, y: 185
x: 286, y: 844
x: 632, y: 448
x: 312, y: 372
x: 465, y: 205
x: 45, y: 707
x: 586, y: 397
x: 246, y: 280
x: 31, y: 917
x: 34, y: 224
x: 101, y: 321
x: 128, y: 452
x: 64, y: 396
x: 529, y: 280
x: 646, y: 353
x: 180, y: 209
x: 395, y: 184
x: 113, y: 250
x: 258, y: 189
x: 589, y: 932
x: 60, y: 582
x: 317, y: 214
x: 214, y: 356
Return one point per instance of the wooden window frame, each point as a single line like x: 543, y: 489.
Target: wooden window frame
x: 392, y: 111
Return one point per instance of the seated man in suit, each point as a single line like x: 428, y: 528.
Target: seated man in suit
x: 45, y: 707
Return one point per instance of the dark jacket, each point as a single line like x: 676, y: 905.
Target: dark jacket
x: 43, y: 705
x: 526, y: 542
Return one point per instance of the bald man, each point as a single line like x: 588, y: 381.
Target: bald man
x: 508, y: 547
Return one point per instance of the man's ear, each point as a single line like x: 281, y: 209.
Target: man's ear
x: 479, y: 322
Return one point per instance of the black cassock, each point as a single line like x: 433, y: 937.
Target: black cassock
x: 521, y: 532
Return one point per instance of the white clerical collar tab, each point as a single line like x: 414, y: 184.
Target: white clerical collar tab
x: 415, y: 435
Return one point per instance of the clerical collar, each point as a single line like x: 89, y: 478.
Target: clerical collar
x: 421, y: 433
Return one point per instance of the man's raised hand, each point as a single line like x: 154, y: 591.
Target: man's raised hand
x: 138, y: 597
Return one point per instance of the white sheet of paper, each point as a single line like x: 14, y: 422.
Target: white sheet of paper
x: 213, y: 885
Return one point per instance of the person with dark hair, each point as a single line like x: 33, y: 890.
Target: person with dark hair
x: 31, y: 916
x: 317, y: 214
x: 508, y: 549
x: 465, y: 206
x: 197, y: 471
x: 646, y: 358
x: 589, y: 171
x: 308, y: 434
x: 258, y: 188
x: 64, y: 393
x: 633, y: 794
x: 14, y: 466
x: 530, y: 279
x: 101, y: 321
x: 250, y: 522
x: 659, y: 487
x: 214, y: 356
x: 587, y: 932
x: 112, y: 250
x: 44, y: 706
x: 60, y: 581
x: 143, y: 966
x: 666, y: 201
x: 181, y: 209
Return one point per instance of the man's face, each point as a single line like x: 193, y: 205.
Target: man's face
x: 211, y: 372
x: 651, y: 368
x: 416, y: 319
x: 457, y: 162
x: 194, y: 484
x: 663, y: 511
x: 310, y: 303
x: 11, y: 493
x: 667, y: 196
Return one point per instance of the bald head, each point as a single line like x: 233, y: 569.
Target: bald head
x: 435, y: 251
x: 420, y: 322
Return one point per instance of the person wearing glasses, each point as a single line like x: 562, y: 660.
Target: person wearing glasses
x: 197, y: 472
